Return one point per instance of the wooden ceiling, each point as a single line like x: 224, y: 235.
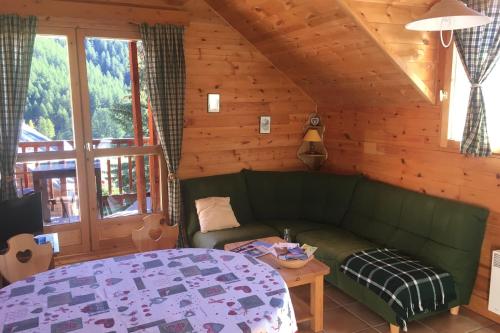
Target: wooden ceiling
x: 342, y: 52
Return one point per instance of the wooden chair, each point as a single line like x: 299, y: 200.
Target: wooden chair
x: 155, y: 235
x: 24, y: 258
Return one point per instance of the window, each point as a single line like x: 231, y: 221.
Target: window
x: 48, y: 128
x: 88, y: 142
x: 459, y: 99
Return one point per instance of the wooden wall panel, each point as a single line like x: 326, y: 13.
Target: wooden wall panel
x: 220, y: 60
x: 400, y: 145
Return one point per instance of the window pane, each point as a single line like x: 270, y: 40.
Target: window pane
x: 110, y: 90
x: 57, y: 182
x: 119, y: 180
x: 459, y: 99
x: 48, y: 115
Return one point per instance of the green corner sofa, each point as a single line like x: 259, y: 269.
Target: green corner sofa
x: 343, y: 214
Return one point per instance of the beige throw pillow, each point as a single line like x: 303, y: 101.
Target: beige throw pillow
x: 215, y: 213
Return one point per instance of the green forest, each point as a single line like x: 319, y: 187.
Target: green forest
x: 48, y: 107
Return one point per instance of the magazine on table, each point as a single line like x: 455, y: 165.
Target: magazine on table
x: 254, y: 249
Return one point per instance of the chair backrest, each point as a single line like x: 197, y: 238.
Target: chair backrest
x: 155, y: 235
x: 24, y: 258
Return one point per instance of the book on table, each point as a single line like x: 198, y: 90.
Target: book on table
x: 254, y: 249
x: 283, y: 251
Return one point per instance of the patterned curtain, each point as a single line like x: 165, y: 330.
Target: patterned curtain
x: 479, y: 49
x: 17, y: 38
x: 166, y: 77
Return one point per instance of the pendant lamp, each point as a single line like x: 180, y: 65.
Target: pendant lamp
x: 448, y: 15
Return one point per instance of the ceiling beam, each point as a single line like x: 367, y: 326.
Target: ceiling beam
x: 421, y: 87
x: 101, y: 12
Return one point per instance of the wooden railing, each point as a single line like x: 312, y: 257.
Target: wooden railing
x: 24, y: 177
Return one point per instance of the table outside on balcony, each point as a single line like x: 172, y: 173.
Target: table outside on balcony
x: 46, y: 171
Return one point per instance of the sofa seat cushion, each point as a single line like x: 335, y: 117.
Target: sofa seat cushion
x: 334, y: 245
x: 217, y: 239
x: 295, y: 226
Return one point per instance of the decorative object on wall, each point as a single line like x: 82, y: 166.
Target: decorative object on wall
x: 213, y: 103
x: 314, y: 120
x: 448, y: 15
x: 265, y: 125
x: 312, y: 151
x: 312, y: 136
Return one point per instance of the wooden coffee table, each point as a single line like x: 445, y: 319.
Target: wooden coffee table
x: 312, y: 274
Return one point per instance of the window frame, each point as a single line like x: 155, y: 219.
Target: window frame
x: 90, y: 226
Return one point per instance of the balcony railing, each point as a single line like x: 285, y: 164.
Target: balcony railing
x: 119, y: 179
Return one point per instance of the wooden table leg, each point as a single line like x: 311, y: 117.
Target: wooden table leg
x: 316, y: 304
x: 52, y: 264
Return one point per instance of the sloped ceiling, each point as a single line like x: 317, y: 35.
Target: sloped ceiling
x: 342, y: 52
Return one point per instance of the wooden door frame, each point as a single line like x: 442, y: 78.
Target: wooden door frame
x: 97, y: 226
x: 91, y: 228
x: 78, y: 153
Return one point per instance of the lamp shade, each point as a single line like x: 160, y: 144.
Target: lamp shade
x: 448, y: 15
x: 312, y: 135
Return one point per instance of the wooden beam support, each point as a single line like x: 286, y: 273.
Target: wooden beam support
x: 421, y: 87
x: 137, y: 122
x: 102, y: 12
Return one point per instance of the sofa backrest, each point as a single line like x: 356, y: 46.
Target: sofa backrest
x: 326, y: 196
x: 311, y: 196
x: 444, y: 233
x: 274, y: 195
x: 229, y: 185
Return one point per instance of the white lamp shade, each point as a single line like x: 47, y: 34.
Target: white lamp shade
x: 448, y: 15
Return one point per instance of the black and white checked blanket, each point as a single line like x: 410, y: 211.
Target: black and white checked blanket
x: 407, y: 285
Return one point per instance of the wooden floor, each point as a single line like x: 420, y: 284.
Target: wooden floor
x: 344, y: 315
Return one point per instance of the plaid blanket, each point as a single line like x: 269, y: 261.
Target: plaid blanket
x: 407, y: 285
